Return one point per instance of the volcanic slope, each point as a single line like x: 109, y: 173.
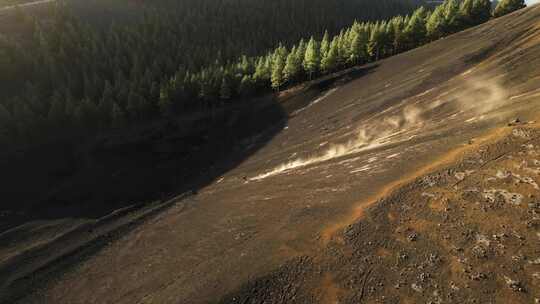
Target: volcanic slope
x: 403, y: 183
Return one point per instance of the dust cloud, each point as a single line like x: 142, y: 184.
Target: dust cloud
x: 465, y: 95
x: 481, y: 95
x: 368, y: 137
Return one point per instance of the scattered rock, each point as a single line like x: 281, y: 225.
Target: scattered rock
x: 478, y: 276
x: 482, y: 240
x: 479, y: 252
x: 503, y: 174
x: 427, y: 194
x: 514, y: 122
x: 515, y: 285
x: 417, y: 287
x: 508, y: 197
x: 521, y: 133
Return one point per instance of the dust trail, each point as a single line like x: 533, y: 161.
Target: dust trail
x: 366, y: 138
x: 481, y: 95
x: 468, y: 96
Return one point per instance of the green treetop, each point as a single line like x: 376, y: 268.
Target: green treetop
x: 311, y: 58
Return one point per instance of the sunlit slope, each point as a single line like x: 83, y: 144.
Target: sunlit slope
x: 353, y: 143
x: 469, y: 79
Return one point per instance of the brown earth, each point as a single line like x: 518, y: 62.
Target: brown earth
x: 401, y: 184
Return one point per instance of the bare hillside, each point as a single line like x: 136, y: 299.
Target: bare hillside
x: 397, y: 182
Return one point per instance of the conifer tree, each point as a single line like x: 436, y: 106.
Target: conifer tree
x: 278, y: 66
x: 245, y: 66
x: 325, y: 44
x: 292, y: 66
x: 311, y: 58
x: 436, y: 23
x: 416, y: 31
x: 399, y: 37
x: 451, y: 17
x: 301, y: 50
x: 387, y: 39
x: 330, y: 61
x: 343, y: 48
x: 507, y: 6
x: 260, y: 71
x: 375, y: 41
x: 358, y: 44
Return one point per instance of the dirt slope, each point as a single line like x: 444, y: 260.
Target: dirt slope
x: 400, y: 184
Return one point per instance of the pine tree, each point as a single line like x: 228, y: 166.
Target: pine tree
x: 330, y: 61
x: 325, y: 44
x: 375, y: 42
x: 416, y: 31
x: 507, y: 6
x: 301, y: 49
x: 245, y: 66
x: 277, y: 68
x: 358, y: 44
x: 436, y: 23
x: 292, y: 66
x: 387, y: 39
x: 398, y: 27
x: 343, y: 45
x: 452, y: 17
x: 311, y: 58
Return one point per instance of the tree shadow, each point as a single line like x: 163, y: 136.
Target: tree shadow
x: 91, y: 178
x: 108, y: 177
